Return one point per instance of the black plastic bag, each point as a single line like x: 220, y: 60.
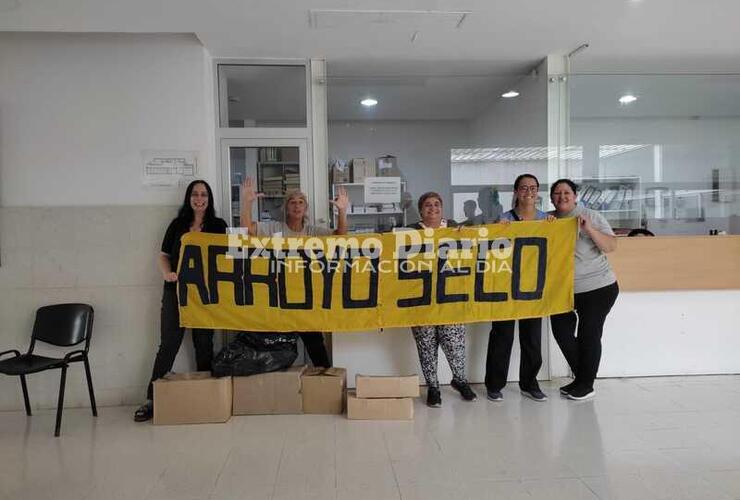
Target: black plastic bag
x: 253, y: 353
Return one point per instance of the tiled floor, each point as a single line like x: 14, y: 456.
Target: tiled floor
x: 663, y: 438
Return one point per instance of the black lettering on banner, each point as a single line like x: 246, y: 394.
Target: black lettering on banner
x: 329, y: 268
x: 516, y: 276
x: 372, y: 299
x: 404, y: 273
x: 481, y: 295
x: 191, y: 273
x: 444, y: 272
x: 236, y: 276
x: 307, y: 285
x: 269, y: 279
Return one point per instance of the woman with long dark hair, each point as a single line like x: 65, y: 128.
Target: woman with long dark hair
x: 195, y: 215
x: 501, y: 336
x: 595, y: 289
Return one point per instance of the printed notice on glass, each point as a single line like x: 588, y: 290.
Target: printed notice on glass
x: 382, y: 190
x: 168, y: 169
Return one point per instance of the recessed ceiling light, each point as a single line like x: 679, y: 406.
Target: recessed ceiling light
x: 369, y: 102
x: 627, y: 99
x: 510, y: 94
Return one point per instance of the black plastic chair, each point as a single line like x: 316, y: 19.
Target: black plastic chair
x: 63, y: 325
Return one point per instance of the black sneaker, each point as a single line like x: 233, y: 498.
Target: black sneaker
x: 144, y: 412
x: 567, y: 388
x: 434, y: 398
x: 535, y: 395
x: 464, y: 389
x: 494, y: 395
x: 580, y: 394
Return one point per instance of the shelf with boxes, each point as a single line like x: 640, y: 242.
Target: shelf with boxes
x: 618, y: 198
x: 375, y: 192
x: 278, y: 173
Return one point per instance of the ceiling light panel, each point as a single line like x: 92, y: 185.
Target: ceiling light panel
x: 416, y: 20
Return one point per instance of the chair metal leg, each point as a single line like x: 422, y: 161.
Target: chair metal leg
x: 25, y: 395
x: 60, y: 404
x: 90, y: 388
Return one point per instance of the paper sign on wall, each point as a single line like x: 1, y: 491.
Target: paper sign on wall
x: 382, y: 190
x: 168, y: 169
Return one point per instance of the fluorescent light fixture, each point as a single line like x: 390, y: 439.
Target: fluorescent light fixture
x: 510, y: 94
x: 627, y: 99
x: 369, y: 102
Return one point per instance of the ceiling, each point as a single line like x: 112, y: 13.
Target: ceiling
x: 506, y: 37
x: 442, y: 59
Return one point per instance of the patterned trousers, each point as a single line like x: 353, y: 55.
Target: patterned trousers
x: 451, y: 338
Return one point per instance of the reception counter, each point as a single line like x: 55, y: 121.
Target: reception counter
x: 677, y: 263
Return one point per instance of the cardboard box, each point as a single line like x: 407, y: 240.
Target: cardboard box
x: 192, y: 398
x: 388, y: 166
x: 380, y: 408
x: 387, y: 387
x: 269, y: 393
x: 323, y: 390
x: 361, y: 169
x: 340, y: 172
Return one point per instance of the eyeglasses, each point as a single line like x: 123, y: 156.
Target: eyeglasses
x: 531, y: 189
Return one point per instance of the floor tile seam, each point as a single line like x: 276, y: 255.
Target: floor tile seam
x: 390, y: 460
x: 277, y: 470
x: 220, y: 473
x: 147, y: 495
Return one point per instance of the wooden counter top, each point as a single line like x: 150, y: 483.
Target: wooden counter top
x: 677, y: 263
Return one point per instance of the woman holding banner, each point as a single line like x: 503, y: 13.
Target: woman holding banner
x: 295, y: 223
x: 451, y: 338
x: 501, y: 336
x: 195, y: 214
x: 596, y: 290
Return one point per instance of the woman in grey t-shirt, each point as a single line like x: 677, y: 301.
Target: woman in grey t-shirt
x: 295, y: 224
x: 595, y: 289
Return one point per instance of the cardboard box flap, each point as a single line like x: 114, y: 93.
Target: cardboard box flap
x: 368, y: 386
x: 325, y: 372
x: 323, y: 390
x: 379, y: 408
x: 269, y: 393
x: 174, y: 377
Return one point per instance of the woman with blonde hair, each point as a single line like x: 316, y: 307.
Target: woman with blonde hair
x: 295, y: 223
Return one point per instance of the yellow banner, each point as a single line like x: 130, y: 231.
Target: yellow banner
x: 369, y: 281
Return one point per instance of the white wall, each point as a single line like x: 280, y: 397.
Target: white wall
x: 77, y: 110
x: 75, y: 222
x: 422, y: 149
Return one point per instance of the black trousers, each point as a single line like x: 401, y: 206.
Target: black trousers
x: 314, y: 342
x: 500, y: 342
x: 171, y: 335
x: 578, y: 333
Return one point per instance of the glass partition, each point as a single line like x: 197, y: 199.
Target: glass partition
x: 457, y: 131
x: 252, y: 95
x: 658, y: 152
